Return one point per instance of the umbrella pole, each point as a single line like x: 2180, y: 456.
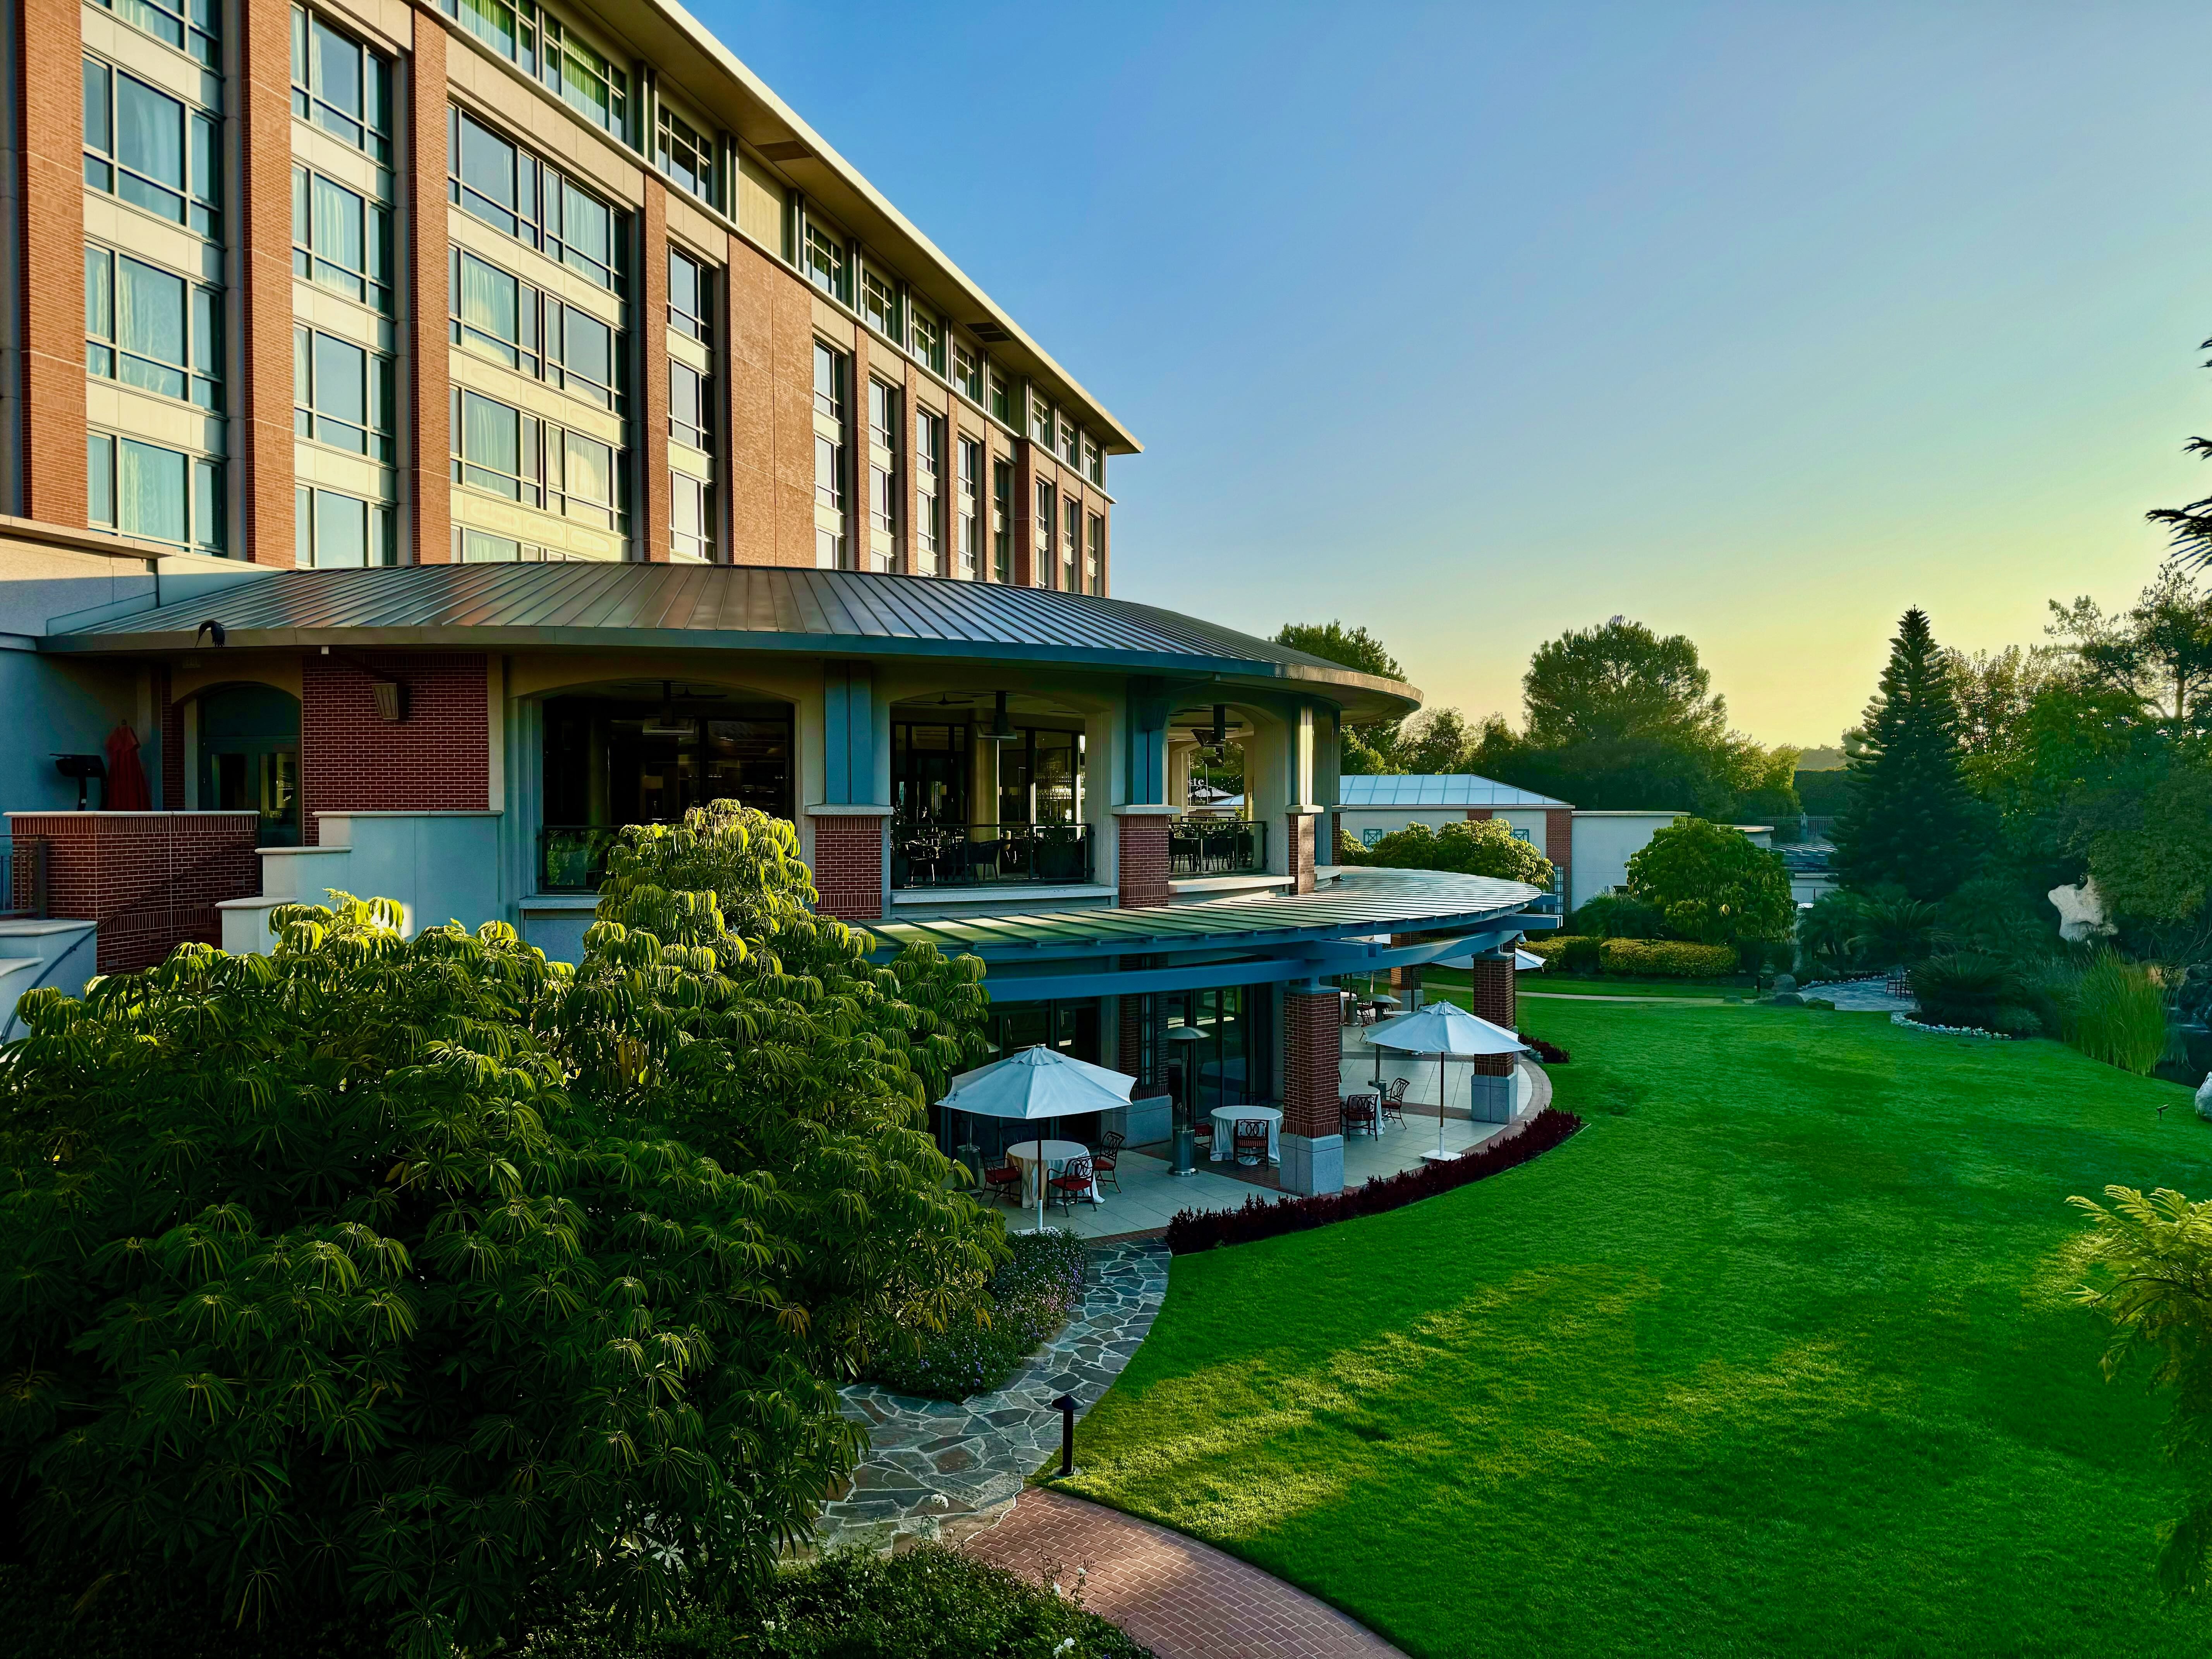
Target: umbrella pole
x: 1440, y: 1105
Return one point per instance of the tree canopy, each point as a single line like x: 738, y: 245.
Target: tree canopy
x: 1712, y: 884
x: 1484, y: 848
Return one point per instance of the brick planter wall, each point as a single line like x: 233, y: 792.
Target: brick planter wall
x: 436, y: 760
x: 1143, y: 840
x: 150, y: 880
x: 1494, y: 1000
x: 849, y: 866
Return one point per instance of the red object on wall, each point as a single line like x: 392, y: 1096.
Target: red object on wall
x: 1494, y: 999
x: 849, y: 866
x: 1312, y: 1049
x: 353, y: 760
x: 150, y: 880
x: 126, y: 777
x: 1142, y: 839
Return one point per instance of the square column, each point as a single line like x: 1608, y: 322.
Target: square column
x: 1489, y: 1088
x: 1303, y: 825
x: 1141, y: 841
x: 1311, y: 1141
x: 852, y: 862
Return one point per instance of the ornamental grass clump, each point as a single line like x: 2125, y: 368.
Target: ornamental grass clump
x: 1024, y: 1304
x: 2118, y: 1015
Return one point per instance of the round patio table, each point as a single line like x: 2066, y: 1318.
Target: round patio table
x: 1055, y: 1154
x: 1226, y: 1119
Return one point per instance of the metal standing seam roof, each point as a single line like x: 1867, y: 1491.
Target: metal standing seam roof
x: 743, y: 607
x: 1436, y: 789
x: 1361, y: 903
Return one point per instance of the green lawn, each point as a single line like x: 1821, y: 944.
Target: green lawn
x: 1774, y: 1357
x: 1449, y: 980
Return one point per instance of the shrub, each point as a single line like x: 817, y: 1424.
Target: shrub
x: 1618, y: 916
x: 1201, y: 1230
x: 1968, y: 988
x: 1828, y: 933
x: 1025, y: 1304
x: 1668, y: 958
x: 1713, y: 884
x: 2119, y: 1015
x: 1551, y: 947
x: 1583, y: 955
x: 1485, y: 848
x: 1550, y: 1053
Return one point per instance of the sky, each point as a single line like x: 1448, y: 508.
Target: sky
x: 1757, y: 323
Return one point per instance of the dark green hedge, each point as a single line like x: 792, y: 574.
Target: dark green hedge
x: 1029, y: 1299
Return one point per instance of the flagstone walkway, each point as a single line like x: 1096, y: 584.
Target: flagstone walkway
x: 939, y: 1468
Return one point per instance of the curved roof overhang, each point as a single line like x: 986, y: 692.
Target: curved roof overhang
x: 753, y: 608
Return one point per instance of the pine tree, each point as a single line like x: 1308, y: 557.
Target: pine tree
x: 1911, y: 821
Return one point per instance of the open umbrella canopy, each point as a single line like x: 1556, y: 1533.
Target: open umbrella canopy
x: 1525, y: 960
x: 1445, y: 1028
x: 1038, y: 1083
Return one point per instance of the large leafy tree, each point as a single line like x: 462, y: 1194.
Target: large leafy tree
x: 421, y: 1276
x: 1484, y: 848
x: 1911, y: 821
x: 1368, y: 750
x: 1712, y: 884
x: 2160, y: 649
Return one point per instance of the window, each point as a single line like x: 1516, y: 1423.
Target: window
x: 1002, y: 521
x: 879, y: 305
x: 188, y: 25
x: 690, y: 297
x: 341, y: 86
x: 150, y: 328
x: 1095, y: 559
x: 968, y: 543
x: 825, y: 264
x: 690, y: 406
x: 535, y: 462
x: 496, y: 315
x: 1094, y: 460
x: 927, y: 340
x: 1071, y: 546
x: 506, y: 186
x: 687, y: 156
x: 884, y: 515
x: 1002, y: 398
x: 690, y: 521
x: 342, y: 394
x: 586, y: 82
x: 928, y: 492
x: 147, y: 148
x: 1040, y: 419
x: 1071, y: 442
x: 333, y: 531
x: 509, y: 29
x: 968, y: 371
x: 341, y: 240
x: 1040, y: 560
x: 833, y: 374
x: 140, y: 490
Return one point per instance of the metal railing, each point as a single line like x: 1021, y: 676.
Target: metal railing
x: 1217, y: 847
x: 987, y: 855
x: 572, y: 858
x: 23, y: 879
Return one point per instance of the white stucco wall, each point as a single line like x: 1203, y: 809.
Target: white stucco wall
x: 1605, y: 841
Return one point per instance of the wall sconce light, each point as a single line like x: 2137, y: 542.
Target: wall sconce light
x: 391, y: 700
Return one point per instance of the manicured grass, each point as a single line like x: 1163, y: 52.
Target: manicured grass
x: 1775, y: 1357
x: 1449, y: 980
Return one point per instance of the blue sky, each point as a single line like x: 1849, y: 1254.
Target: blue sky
x: 1757, y: 323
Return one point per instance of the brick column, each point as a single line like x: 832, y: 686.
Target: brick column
x: 649, y: 526
x: 50, y: 110
x: 1559, y: 843
x: 265, y: 243
x: 850, y: 873
x: 1312, y: 1140
x: 423, y: 299
x: 1141, y: 841
x: 1301, y: 828
x: 1405, y: 980
x: 1490, y: 1087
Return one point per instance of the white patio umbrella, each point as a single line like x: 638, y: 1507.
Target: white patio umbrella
x: 1449, y: 1032
x: 1038, y: 1083
x: 1525, y: 960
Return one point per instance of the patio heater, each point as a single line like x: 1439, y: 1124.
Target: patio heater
x: 1183, y: 1160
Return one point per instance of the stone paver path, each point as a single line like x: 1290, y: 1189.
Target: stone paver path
x: 1860, y: 996
x: 1182, y: 1599
x: 937, y: 1468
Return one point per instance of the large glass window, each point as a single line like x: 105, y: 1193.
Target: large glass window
x: 152, y: 329
x: 690, y: 520
x: 929, y: 773
x: 341, y: 86
x: 161, y: 495
x: 587, y: 82
x: 687, y: 156
x: 496, y: 315
x: 342, y: 394
x: 1070, y: 546
x: 928, y: 339
x: 879, y: 305
x: 1094, y: 566
x: 509, y: 29
x: 535, y: 462
x: 1002, y: 521
x: 341, y: 240
x: 1094, y: 460
x: 335, y: 532
x: 823, y: 258
x: 690, y: 297
x: 970, y: 539
x: 1041, y: 777
x: 501, y: 183
x: 967, y: 371
x: 151, y: 151
x: 833, y: 374
x: 1040, y: 419
x: 189, y: 26
x: 1071, y: 442
x: 1234, y: 1064
x: 690, y: 406
x: 928, y: 492
x: 1002, y: 398
x: 885, y: 474
x: 1042, y: 566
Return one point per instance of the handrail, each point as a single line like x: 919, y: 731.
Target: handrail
x: 989, y: 854
x: 1217, y: 847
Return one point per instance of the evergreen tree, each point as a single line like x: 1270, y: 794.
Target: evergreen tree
x: 1911, y: 821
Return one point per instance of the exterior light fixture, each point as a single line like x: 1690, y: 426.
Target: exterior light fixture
x: 1065, y: 1407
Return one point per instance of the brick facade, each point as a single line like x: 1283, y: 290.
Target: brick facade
x: 1312, y: 1049
x: 849, y: 866
x: 1494, y: 999
x: 49, y: 181
x: 423, y: 153
x: 1302, y: 828
x: 769, y: 355
x: 649, y: 526
x: 265, y: 225
x: 1141, y: 839
x: 1559, y: 839
x: 436, y: 760
x: 150, y: 880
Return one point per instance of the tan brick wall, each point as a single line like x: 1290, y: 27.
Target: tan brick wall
x: 769, y: 394
x: 649, y: 524
x: 264, y: 231
x: 1143, y: 844
x: 848, y: 867
x: 1312, y: 1045
x: 51, y: 179
x: 423, y: 301
x: 150, y: 880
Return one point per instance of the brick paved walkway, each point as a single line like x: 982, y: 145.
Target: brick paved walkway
x: 1182, y: 1599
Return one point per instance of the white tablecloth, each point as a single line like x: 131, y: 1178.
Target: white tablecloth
x: 1226, y: 1119
x: 1055, y: 1154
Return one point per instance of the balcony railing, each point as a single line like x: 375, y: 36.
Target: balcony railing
x: 23, y: 878
x: 1217, y: 847
x: 988, y: 854
x: 572, y: 858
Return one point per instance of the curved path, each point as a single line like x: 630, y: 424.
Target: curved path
x: 1182, y: 1599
